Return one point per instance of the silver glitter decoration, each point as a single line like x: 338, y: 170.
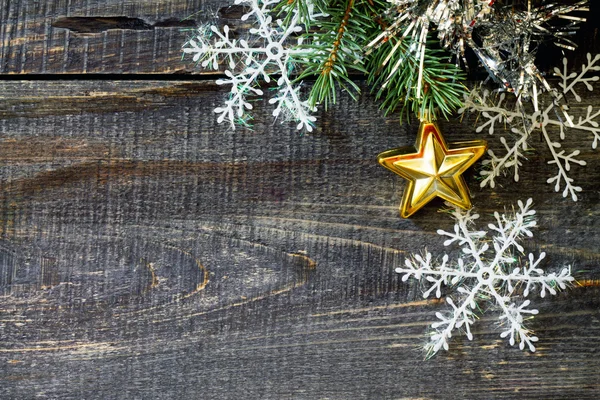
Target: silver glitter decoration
x: 509, y: 43
x: 504, y: 38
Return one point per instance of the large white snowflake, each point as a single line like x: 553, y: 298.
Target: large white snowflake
x: 553, y: 121
x: 248, y: 64
x: 493, y: 274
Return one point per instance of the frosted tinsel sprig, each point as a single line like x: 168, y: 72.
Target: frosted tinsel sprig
x: 495, y: 274
x: 503, y: 37
x: 273, y: 45
x: 554, y: 122
x: 510, y: 39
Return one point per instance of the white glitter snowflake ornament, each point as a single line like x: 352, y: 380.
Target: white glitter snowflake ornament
x: 270, y: 53
x: 494, y: 274
x: 554, y: 122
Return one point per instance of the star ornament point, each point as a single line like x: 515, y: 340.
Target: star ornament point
x: 433, y: 169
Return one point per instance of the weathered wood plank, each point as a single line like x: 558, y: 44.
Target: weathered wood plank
x: 136, y: 36
x: 99, y: 36
x: 147, y: 252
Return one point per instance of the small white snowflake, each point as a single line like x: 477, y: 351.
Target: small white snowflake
x: 525, y: 123
x: 488, y: 273
x: 270, y: 54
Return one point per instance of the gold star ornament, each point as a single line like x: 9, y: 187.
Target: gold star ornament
x: 432, y: 168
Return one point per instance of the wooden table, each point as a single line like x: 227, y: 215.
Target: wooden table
x: 148, y: 252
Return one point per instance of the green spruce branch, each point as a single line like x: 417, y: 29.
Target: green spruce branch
x: 287, y: 8
x: 394, y: 74
x: 335, y: 49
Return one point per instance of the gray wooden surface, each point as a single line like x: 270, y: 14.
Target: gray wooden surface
x: 147, y: 252
x: 103, y: 36
x: 139, y: 36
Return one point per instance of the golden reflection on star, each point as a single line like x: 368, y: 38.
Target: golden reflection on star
x: 433, y: 169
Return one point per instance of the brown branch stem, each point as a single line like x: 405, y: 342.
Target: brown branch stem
x: 328, y: 65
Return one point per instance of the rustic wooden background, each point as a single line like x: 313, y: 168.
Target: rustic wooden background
x: 147, y: 252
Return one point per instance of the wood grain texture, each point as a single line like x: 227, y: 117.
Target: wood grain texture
x: 103, y: 36
x: 147, y: 252
x: 143, y: 36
